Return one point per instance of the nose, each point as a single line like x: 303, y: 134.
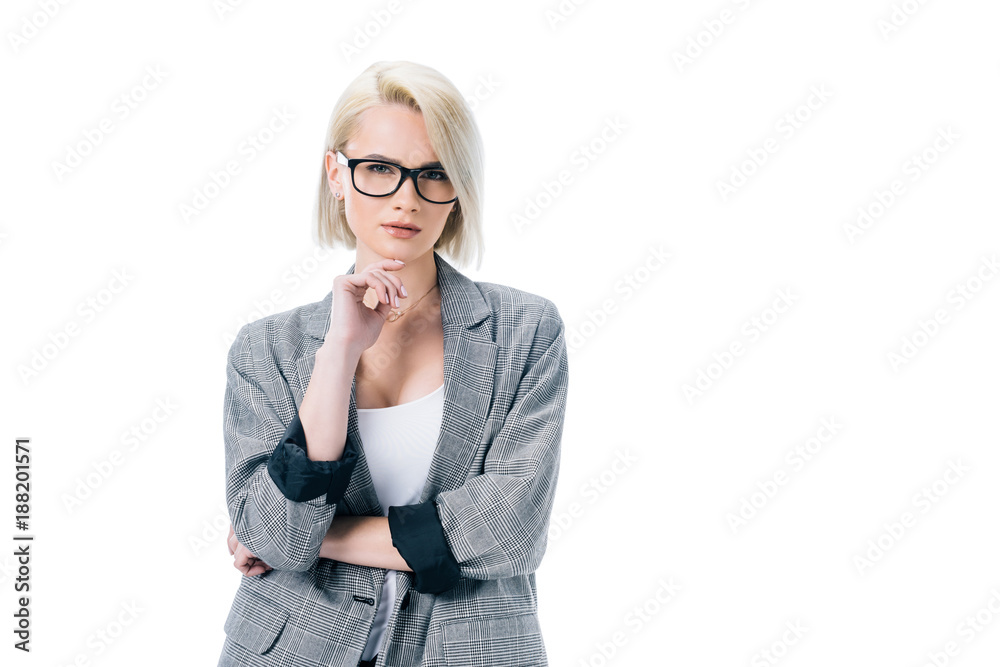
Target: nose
x: 406, y: 195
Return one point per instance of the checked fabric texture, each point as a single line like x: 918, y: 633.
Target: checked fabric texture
x: 475, y: 538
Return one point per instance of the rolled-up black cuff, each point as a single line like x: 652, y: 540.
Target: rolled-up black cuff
x: 418, y: 536
x: 300, y: 478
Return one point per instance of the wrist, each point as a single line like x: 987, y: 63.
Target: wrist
x: 328, y: 547
x: 340, y: 353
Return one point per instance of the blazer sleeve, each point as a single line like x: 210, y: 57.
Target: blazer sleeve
x: 280, y: 502
x: 496, y: 524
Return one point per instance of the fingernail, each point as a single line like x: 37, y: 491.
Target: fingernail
x: 403, y: 290
x: 400, y: 261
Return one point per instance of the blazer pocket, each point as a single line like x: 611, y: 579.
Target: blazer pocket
x: 510, y: 639
x: 254, y: 621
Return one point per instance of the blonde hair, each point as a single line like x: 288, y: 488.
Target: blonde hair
x: 452, y: 131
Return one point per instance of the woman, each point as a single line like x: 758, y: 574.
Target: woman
x: 419, y: 546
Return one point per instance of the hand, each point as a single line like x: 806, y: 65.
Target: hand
x: 352, y: 322
x: 245, y: 561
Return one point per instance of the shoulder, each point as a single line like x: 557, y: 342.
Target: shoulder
x: 278, y: 335
x: 521, y: 314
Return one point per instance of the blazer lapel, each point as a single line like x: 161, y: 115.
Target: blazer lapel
x: 469, y: 364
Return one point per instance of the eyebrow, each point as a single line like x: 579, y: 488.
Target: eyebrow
x: 379, y: 156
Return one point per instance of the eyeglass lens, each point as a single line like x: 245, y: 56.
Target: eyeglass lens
x: 380, y: 178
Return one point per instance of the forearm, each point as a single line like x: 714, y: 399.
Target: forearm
x: 362, y: 540
x: 324, y: 408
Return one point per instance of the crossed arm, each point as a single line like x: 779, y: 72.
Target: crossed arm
x: 409, y: 538
x: 493, y: 526
x: 361, y: 540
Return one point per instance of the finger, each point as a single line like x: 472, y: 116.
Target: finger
x: 386, y: 265
x: 359, y: 279
x: 395, y: 282
x: 258, y: 568
x: 380, y: 268
x: 386, y: 287
x: 241, y: 560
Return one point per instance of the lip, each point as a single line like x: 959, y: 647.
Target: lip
x: 404, y: 225
x: 400, y: 232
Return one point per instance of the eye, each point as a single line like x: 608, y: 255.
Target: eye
x: 434, y: 175
x: 379, y: 168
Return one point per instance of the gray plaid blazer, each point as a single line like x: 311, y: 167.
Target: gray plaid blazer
x: 486, y: 502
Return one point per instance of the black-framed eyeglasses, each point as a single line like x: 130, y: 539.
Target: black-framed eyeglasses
x: 378, y: 178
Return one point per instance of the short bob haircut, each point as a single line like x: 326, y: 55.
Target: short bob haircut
x: 452, y: 131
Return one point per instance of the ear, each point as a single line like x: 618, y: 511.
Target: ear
x: 333, y: 169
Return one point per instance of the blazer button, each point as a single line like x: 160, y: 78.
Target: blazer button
x: 360, y: 598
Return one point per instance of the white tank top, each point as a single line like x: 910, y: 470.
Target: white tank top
x: 399, y: 443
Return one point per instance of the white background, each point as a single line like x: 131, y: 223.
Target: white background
x: 150, y: 535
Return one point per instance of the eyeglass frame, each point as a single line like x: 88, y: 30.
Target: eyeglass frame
x: 404, y: 173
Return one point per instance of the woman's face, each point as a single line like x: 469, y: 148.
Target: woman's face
x: 399, y: 135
